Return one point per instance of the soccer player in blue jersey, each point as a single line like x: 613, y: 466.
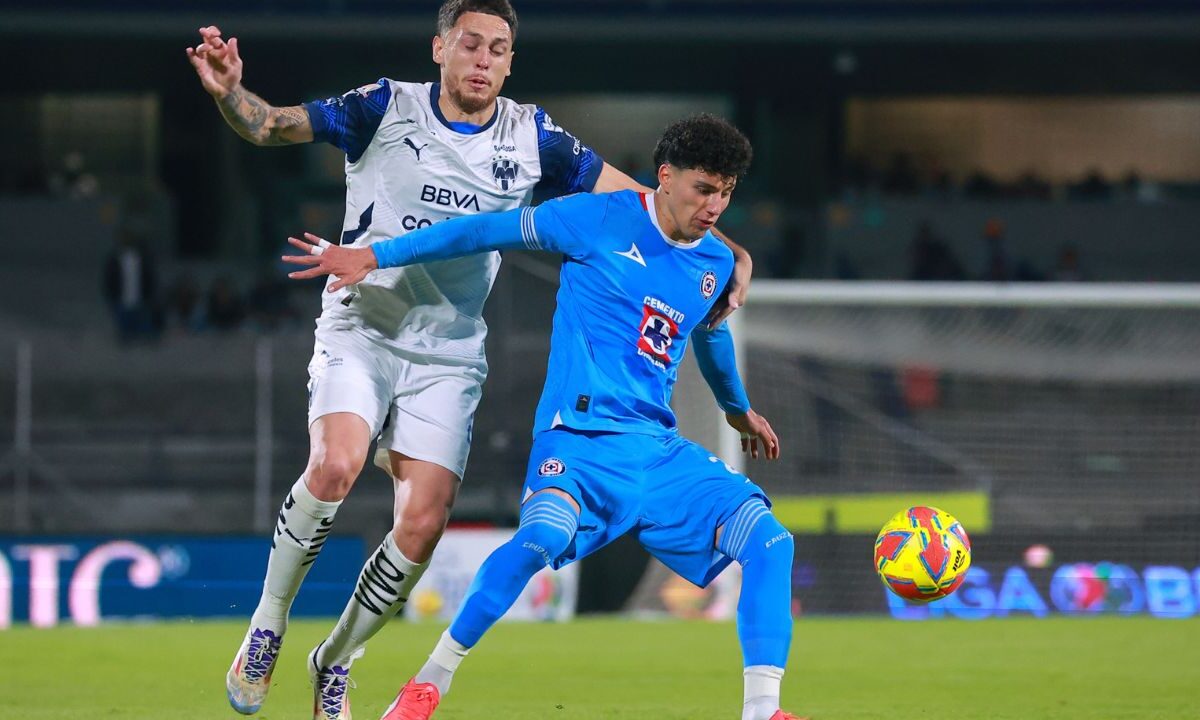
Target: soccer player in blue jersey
x: 640, y: 271
x: 399, y: 357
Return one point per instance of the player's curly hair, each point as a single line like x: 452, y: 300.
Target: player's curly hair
x: 704, y: 142
x: 452, y: 10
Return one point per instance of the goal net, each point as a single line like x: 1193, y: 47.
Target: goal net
x: 1060, y: 423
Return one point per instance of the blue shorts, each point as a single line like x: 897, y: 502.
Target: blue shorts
x: 670, y: 492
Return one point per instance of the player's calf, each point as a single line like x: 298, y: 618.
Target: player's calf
x: 380, y: 594
x: 548, y: 524
x: 765, y: 550
x: 301, y: 528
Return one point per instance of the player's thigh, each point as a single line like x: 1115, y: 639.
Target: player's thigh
x: 422, y: 487
x: 432, y: 413
x: 425, y: 494
x: 349, y: 374
x: 598, y: 472
x: 339, y: 434
x: 692, y: 494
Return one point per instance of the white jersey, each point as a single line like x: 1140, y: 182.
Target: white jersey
x: 407, y: 167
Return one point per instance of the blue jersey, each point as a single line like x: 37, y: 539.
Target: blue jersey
x: 630, y: 298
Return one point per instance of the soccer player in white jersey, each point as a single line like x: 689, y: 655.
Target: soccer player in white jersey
x: 399, y: 357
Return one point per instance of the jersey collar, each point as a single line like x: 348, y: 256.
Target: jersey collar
x: 648, y: 204
x: 435, y: 91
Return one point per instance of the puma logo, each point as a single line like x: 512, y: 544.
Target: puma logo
x: 416, y: 150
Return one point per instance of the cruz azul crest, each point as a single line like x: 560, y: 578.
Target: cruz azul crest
x: 659, y: 328
x: 708, y: 284
x: 552, y: 467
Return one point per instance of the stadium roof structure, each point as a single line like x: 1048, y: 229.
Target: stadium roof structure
x: 812, y: 20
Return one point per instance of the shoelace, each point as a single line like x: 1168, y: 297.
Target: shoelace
x: 261, y: 654
x: 333, y: 690
x: 422, y: 697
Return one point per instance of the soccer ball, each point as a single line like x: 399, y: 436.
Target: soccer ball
x: 922, y: 554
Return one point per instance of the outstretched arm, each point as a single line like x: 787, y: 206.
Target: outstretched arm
x: 718, y: 364
x: 552, y: 226
x: 219, y: 67
x: 442, y: 241
x: 612, y: 180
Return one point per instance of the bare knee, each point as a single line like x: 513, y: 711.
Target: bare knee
x: 418, y: 529
x: 331, y: 474
x: 338, y: 445
x: 425, y: 494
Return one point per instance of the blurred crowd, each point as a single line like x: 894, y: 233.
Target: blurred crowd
x: 933, y: 258
x: 902, y: 175
x: 143, y: 311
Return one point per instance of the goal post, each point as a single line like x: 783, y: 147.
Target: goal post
x: 1029, y: 405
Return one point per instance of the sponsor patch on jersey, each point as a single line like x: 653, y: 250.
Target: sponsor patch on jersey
x: 552, y: 467
x: 708, y: 284
x: 364, y: 91
x: 548, y: 124
x: 324, y: 360
x: 658, y: 332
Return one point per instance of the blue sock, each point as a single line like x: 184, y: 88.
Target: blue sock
x: 548, y: 524
x: 754, y: 538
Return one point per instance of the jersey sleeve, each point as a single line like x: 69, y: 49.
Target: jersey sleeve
x: 568, y: 166
x: 554, y: 229
x: 349, y: 121
x: 718, y: 364
x: 567, y: 225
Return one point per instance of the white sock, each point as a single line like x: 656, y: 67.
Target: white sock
x: 304, y: 523
x: 761, y: 691
x: 442, y: 663
x: 383, y: 587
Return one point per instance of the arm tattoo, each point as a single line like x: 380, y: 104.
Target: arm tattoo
x: 257, y: 121
x: 245, y: 112
x: 287, y: 119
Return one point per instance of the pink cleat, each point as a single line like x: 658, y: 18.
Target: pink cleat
x: 781, y: 715
x: 416, y: 701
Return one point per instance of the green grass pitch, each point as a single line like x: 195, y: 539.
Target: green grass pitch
x: 841, y: 669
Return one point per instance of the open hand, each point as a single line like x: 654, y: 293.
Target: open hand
x: 216, y: 62
x: 348, y: 265
x: 755, y: 429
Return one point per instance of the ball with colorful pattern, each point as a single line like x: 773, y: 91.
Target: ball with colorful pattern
x: 922, y: 554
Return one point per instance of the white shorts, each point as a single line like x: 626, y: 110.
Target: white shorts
x: 419, y: 406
